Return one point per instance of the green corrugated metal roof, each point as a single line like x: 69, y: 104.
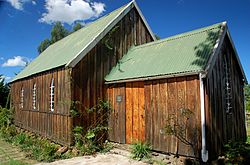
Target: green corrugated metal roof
x: 65, y: 50
x: 187, y: 52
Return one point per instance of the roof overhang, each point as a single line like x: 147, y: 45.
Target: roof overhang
x: 155, y: 77
x: 108, y: 27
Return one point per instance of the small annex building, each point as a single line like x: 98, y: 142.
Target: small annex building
x: 149, y: 84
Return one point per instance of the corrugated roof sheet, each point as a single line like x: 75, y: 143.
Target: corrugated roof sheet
x: 187, y: 52
x: 63, y: 51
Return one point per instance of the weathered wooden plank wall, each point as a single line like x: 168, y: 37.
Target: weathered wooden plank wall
x: 55, y: 125
x: 223, y: 126
x: 168, y: 98
x: 88, y: 75
x: 135, y: 112
x: 154, y: 102
x: 117, y: 117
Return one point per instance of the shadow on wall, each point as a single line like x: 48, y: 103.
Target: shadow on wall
x: 205, y: 49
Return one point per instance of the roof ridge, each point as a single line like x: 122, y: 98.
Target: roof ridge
x: 178, y: 36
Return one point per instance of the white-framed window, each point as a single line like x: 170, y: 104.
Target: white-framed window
x: 52, y: 95
x: 34, y: 96
x: 21, y: 98
x: 227, y: 85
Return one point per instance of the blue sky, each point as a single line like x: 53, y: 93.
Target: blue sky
x: 25, y: 23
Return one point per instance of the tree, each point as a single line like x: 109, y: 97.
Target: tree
x: 4, y: 92
x: 58, y: 32
x: 77, y: 27
x: 247, y: 97
x: 43, y: 45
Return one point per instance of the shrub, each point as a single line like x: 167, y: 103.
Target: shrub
x: 237, y: 153
x: 6, y: 117
x: 141, y: 151
x: 78, y: 136
x: 43, y: 150
x: 8, y: 133
x: 93, y: 139
x: 20, y: 139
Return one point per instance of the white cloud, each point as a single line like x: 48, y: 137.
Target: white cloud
x: 16, y: 61
x: 69, y: 11
x: 18, y: 4
x: 99, y: 8
x: 33, y: 2
x: 6, y: 78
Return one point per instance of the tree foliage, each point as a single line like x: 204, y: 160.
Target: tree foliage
x: 77, y: 26
x: 247, y: 97
x: 43, y: 45
x: 58, y: 32
x: 4, y: 92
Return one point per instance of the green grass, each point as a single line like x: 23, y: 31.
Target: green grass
x: 141, y: 150
x: 14, y: 162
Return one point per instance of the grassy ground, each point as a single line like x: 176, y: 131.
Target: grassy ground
x: 11, y: 155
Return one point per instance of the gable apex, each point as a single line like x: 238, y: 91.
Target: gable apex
x: 107, y: 28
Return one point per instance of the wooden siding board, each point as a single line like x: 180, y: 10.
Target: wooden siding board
x: 40, y: 121
x: 129, y: 105
x: 141, y: 111
x: 123, y: 114
x: 147, y: 111
x: 172, y: 108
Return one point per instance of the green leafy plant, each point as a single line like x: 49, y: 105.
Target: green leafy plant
x: 8, y: 133
x: 6, y: 117
x: 78, y: 136
x: 237, y: 153
x: 27, y: 144
x: 73, y: 109
x: 20, y: 139
x: 141, y: 151
x: 93, y: 139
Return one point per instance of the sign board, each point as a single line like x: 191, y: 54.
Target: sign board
x: 119, y: 98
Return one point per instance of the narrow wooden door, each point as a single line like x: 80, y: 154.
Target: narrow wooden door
x: 135, y: 112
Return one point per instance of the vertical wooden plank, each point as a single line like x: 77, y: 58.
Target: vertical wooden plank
x: 156, y: 116
x: 129, y: 114
x: 163, y: 115
x: 135, y: 112
x: 123, y: 114
x: 141, y: 111
x: 111, y: 115
x: 147, y: 98
x: 181, y: 118
x: 172, y: 108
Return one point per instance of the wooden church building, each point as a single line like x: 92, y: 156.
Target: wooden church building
x: 146, y: 81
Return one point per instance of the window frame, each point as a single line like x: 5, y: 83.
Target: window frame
x: 22, y: 98
x: 34, y: 97
x: 52, y: 95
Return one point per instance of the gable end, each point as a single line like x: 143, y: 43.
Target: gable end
x: 108, y: 27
